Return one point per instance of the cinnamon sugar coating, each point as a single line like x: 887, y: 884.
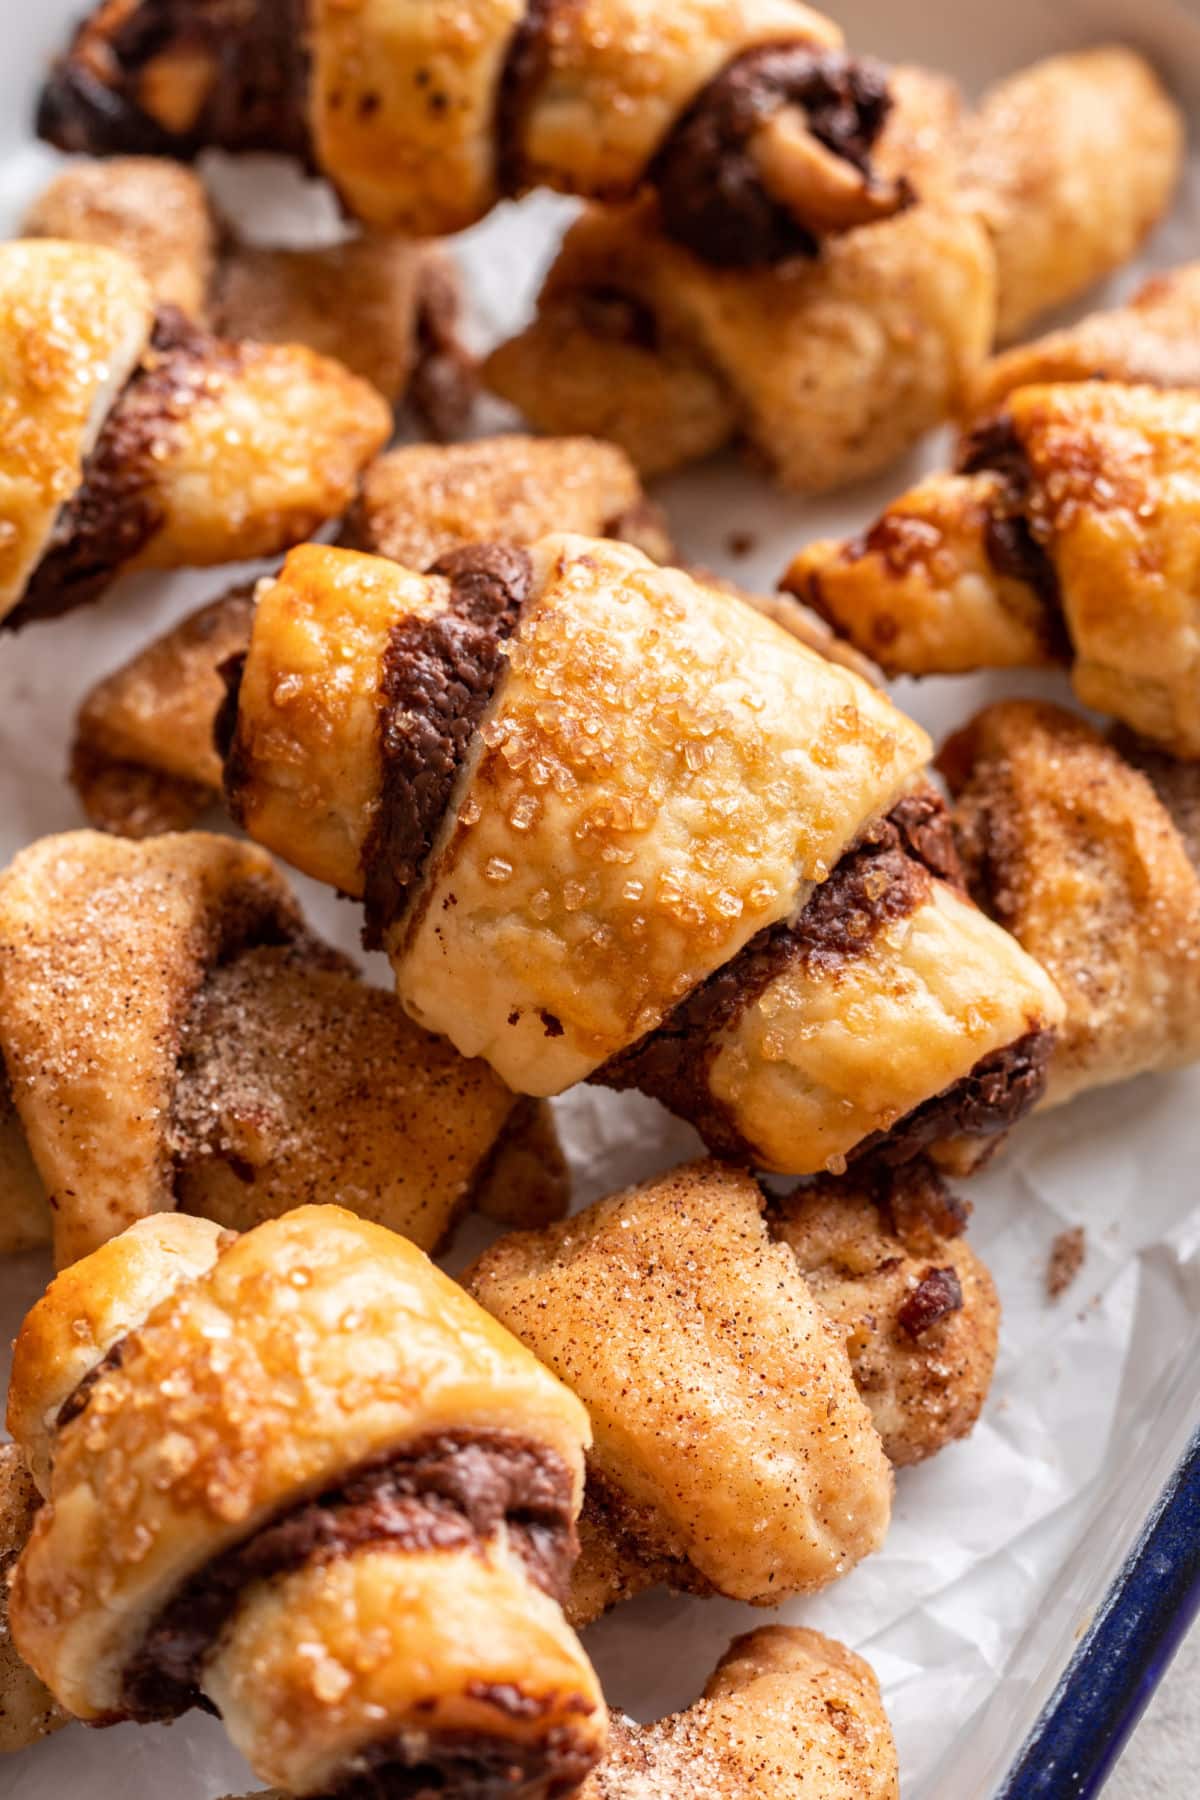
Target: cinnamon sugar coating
x: 174, y: 1038
x: 1068, y: 845
x: 1070, y: 164
x: 786, y: 1712
x: 720, y: 1394
x: 870, y: 1246
x: 313, y: 1347
x: 1153, y: 341
x: 1069, y: 534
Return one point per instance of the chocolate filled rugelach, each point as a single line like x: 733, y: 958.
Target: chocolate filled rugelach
x: 1067, y: 534
x: 750, y: 120
x: 173, y: 1036
x: 1153, y: 341
x: 717, y: 1340
x: 607, y: 825
x: 786, y: 1712
x: 1069, y: 845
x: 829, y: 371
x: 144, y: 759
x: 385, y: 308
x: 300, y: 1479
x: 130, y: 438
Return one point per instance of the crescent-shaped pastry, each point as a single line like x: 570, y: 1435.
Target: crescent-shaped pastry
x: 608, y: 825
x: 385, y: 308
x: 1154, y: 341
x: 313, y: 1486
x: 731, y: 1452
x: 827, y: 372
x: 173, y: 1037
x: 1068, y: 845
x: 748, y: 117
x: 130, y: 440
x: 144, y: 758
x: 1068, y: 533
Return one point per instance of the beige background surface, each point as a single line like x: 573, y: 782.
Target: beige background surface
x: 1162, y: 1761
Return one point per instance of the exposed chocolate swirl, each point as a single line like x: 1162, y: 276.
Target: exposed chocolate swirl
x: 710, y: 187
x: 438, y: 676
x: 1012, y: 547
x: 448, y: 1492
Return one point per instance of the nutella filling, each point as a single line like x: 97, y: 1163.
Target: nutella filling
x: 468, y: 1766
x: 525, y: 69
x: 711, y: 192
x: 884, y: 876
x: 1012, y: 547
x: 174, y: 77
x: 448, y: 1492
x: 987, y: 1101
x: 116, y: 510
x: 438, y: 677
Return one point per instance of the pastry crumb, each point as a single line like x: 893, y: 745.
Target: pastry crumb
x: 1067, y: 1254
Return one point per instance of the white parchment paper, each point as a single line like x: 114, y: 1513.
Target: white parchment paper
x: 1003, y: 1545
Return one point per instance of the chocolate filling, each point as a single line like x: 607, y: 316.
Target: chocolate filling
x: 449, y: 1492
x: 77, y: 1400
x: 437, y: 679
x: 525, y: 69
x: 1012, y: 547
x: 711, y: 192
x: 988, y: 1100
x: 937, y: 1295
x: 96, y: 99
x: 884, y: 876
x: 470, y: 1767
x: 116, y: 510
x: 444, y: 379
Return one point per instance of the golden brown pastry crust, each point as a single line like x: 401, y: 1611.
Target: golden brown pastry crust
x: 577, y: 884
x: 174, y: 1038
x: 1070, y: 848
x: 242, y: 1396
x: 787, y: 1713
x: 827, y: 370
x: 74, y: 323
x: 152, y: 211
x: 1070, y: 164
x: 748, y: 116
x: 1154, y: 340
x: 385, y: 308
x: 884, y: 1257
x: 720, y: 1397
x: 1070, y: 532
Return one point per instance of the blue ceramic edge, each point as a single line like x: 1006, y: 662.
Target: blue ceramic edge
x: 1122, y: 1657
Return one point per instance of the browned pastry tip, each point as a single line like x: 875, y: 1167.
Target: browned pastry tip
x: 1069, y: 164
x: 731, y: 1452
x: 1067, y: 843
x: 757, y: 128
x: 786, y: 1712
x: 252, y: 1071
x: 300, y: 1478
x: 28, y: 1710
x: 1154, y: 340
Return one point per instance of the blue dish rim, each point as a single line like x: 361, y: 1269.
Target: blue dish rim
x: 1122, y: 1656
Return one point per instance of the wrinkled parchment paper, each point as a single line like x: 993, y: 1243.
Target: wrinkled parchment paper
x: 1003, y: 1546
